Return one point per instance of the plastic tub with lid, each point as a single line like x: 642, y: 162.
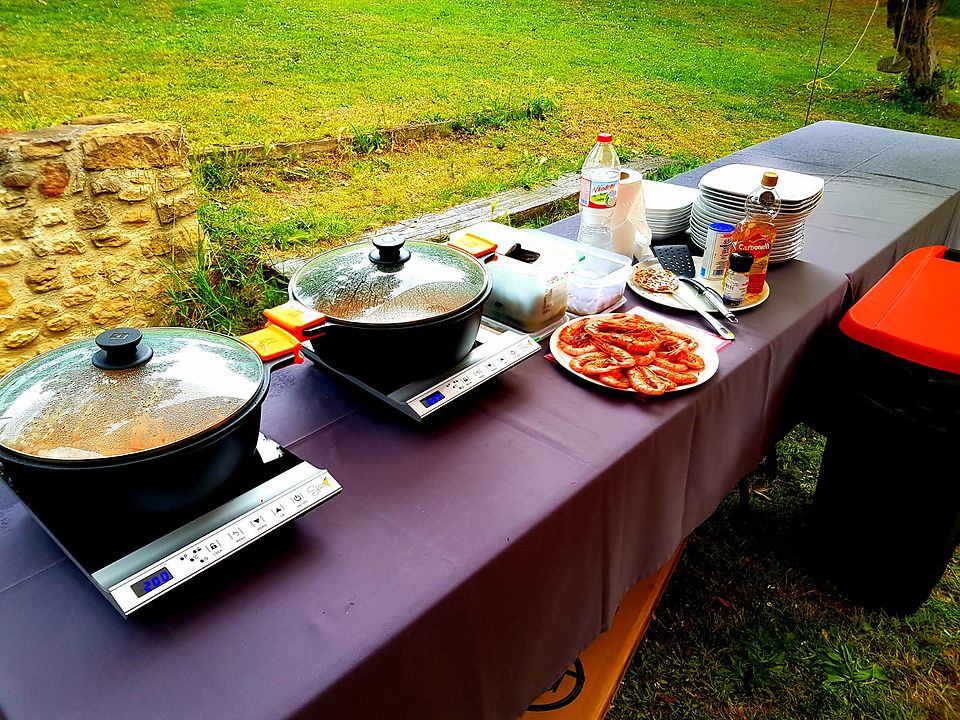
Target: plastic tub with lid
x: 530, y: 274
x: 598, y: 279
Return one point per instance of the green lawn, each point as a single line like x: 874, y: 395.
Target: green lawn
x: 746, y: 631
x: 699, y: 77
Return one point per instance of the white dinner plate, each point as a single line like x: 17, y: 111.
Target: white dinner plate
x: 710, y: 358
x: 704, y: 213
x: 737, y: 179
x: 688, y: 293
x: 738, y: 200
x: 782, y: 250
x: 666, y: 197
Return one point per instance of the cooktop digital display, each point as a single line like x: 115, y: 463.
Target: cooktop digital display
x: 142, y: 587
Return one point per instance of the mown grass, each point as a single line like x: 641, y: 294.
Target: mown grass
x: 706, y: 72
x: 746, y: 630
x: 527, y: 85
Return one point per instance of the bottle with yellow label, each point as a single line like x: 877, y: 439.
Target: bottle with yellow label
x: 756, y: 233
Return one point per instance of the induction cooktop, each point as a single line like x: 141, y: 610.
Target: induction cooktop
x: 143, y: 556
x: 497, y: 349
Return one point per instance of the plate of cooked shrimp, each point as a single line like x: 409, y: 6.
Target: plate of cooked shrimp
x: 628, y: 352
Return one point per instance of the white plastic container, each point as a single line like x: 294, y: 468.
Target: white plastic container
x: 598, y: 279
x: 525, y: 295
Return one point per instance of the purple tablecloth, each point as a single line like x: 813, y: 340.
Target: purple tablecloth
x: 467, y: 560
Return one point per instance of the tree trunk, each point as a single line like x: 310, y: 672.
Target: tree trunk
x: 914, y: 44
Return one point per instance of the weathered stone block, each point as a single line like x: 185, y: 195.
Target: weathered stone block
x: 139, y: 214
x: 133, y: 145
x: 54, y: 179
x: 10, y: 255
x: 40, y: 149
x: 6, y: 298
x: 9, y: 152
x: 50, y: 216
x: 140, y: 176
x: 79, y: 295
x: 83, y: 270
x: 105, y: 182
x: 102, y: 119
x: 134, y: 193
x: 116, y: 270
x: 12, y: 199
x: 178, y: 206
x: 112, y: 310
x: 174, y: 179
x: 90, y: 215
x: 9, y: 227
x: 68, y: 244
x: 36, y: 310
x: 62, y: 323
x: 41, y: 245
x: 16, y: 225
x: 44, y: 277
x: 78, y: 178
x: 19, y: 179
x: 20, y: 338
x: 109, y: 238
x: 183, y: 237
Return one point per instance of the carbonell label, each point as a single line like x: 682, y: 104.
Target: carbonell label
x: 757, y: 249
x: 598, y: 194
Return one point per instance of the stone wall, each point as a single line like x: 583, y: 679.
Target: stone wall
x: 91, y: 216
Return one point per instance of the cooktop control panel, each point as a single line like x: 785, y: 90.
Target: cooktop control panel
x: 303, y: 488
x: 487, y: 366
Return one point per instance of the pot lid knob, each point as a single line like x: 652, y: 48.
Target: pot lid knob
x: 389, y: 250
x: 120, y: 349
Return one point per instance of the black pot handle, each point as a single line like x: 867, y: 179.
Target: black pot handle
x: 388, y: 250
x: 120, y: 349
x: 282, y: 362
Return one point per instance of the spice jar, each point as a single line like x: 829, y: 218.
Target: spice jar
x: 736, y: 279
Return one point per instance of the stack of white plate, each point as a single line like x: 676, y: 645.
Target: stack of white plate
x: 723, y: 192
x: 668, y: 207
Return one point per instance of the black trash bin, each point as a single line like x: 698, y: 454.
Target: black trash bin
x: 886, y: 516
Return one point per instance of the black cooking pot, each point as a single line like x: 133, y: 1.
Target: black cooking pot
x: 150, y: 422
x: 398, y: 310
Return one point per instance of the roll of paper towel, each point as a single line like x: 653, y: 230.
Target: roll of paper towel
x: 631, y: 234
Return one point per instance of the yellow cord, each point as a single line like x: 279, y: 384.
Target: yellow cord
x: 819, y: 82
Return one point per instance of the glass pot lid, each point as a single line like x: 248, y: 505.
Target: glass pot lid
x: 131, y: 396
x: 389, y: 282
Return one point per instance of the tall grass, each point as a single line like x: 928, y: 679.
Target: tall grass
x: 227, y: 286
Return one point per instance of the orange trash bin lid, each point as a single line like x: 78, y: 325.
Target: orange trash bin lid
x: 913, y: 312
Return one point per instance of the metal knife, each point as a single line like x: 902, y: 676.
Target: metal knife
x: 718, y: 327
x: 712, y: 297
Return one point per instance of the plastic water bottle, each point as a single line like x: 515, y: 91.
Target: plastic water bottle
x: 599, y: 185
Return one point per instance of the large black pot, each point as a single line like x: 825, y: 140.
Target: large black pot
x: 414, y: 350
x: 398, y: 311
x: 173, y: 470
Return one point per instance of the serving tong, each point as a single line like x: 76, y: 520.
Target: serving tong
x: 678, y: 260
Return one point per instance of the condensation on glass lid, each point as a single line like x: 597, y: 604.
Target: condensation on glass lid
x: 65, y: 408
x: 345, y: 285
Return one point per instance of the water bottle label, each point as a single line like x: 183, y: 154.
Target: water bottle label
x: 598, y: 194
